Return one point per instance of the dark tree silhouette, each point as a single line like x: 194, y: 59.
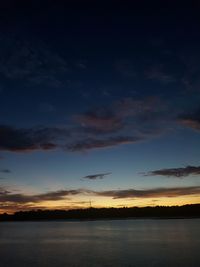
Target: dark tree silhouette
x: 186, y: 211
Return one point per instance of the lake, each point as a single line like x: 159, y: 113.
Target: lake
x: 113, y: 243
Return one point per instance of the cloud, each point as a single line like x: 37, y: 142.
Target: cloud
x: 190, y: 62
x: 31, y: 139
x: 22, y: 200
x: 107, y: 126
x: 3, y: 191
x: 101, y: 127
x: 25, y: 60
x: 46, y: 108
x: 191, y: 120
x: 157, y: 73
x: 6, y: 196
x: 47, y: 138
x: 11, y: 202
x: 115, y: 117
x: 81, y: 65
x: 151, y: 193
x: 57, y: 195
x: 133, y: 107
x: 96, y: 176
x: 126, y: 68
x: 5, y: 171
x: 88, y: 144
x: 100, y: 120
x: 176, y: 172
x: 191, y: 123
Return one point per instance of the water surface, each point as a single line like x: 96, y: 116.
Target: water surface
x: 120, y: 243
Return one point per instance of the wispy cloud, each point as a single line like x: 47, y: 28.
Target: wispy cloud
x: 190, y: 63
x: 25, y: 60
x: 96, y: 176
x: 151, y: 193
x: 134, y: 107
x: 191, y: 120
x: 88, y: 144
x: 126, y: 68
x: 5, y: 171
x: 3, y: 191
x: 47, y: 108
x: 157, y: 73
x: 176, y: 172
x: 99, y: 121
x: 6, y: 196
x: 115, y: 117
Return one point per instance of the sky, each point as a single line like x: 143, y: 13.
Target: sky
x: 99, y: 104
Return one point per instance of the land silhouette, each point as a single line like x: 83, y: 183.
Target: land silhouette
x: 170, y: 212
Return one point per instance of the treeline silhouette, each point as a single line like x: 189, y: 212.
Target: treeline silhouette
x: 186, y: 211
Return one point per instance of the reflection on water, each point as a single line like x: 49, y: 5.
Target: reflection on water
x: 101, y: 243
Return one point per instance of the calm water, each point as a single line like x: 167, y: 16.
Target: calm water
x: 101, y: 243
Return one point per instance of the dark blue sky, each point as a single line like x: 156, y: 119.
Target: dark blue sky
x: 99, y: 101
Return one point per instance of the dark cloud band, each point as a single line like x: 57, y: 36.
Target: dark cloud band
x: 9, y: 197
x: 176, y: 172
x: 30, y: 139
x: 96, y: 176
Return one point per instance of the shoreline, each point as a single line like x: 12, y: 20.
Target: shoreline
x: 94, y: 214
x: 105, y: 219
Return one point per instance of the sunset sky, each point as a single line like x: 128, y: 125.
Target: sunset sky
x: 99, y: 103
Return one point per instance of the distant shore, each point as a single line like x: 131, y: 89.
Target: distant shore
x: 90, y: 214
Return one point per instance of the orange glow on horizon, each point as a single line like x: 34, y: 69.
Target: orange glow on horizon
x: 83, y: 202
